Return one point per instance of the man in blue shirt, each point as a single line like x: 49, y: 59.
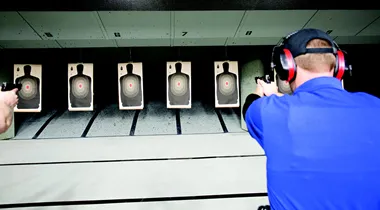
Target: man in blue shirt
x: 322, y: 143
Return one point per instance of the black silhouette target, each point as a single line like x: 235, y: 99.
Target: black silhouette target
x: 179, y: 85
x: 80, y: 87
x: 227, y: 85
x: 29, y: 89
x: 131, y: 86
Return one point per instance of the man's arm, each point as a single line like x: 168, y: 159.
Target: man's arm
x: 8, y: 100
x: 248, y: 101
x: 253, y: 120
x: 6, y: 117
x: 254, y: 107
x: 252, y: 114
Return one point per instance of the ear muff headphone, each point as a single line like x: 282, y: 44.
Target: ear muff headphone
x: 284, y: 64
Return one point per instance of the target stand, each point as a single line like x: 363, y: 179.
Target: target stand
x: 227, y: 93
x: 130, y: 83
x: 80, y: 87
x: 178, y: 85
x: 31, y: 92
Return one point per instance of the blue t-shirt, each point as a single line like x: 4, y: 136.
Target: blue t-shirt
x: 322, y: 145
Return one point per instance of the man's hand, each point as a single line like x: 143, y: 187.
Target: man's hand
x: 259, y: 90
x: 9, y: 98
x: 268, y: 88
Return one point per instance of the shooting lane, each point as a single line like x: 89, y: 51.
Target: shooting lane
x: 227, y: 93
x: 72, y: 121
x: 203, y: 118
x: 30, y: 97
x: 191, y: 158
x: 130, y: 98
x: 155, y: 118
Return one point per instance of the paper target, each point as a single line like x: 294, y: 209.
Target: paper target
x: 130, y: 86
x: 226, y: 84
x: 30, y: 94
x: 80, y: 87
x: 29, y: 89
x: 178, y: 84
x: 80, y: 84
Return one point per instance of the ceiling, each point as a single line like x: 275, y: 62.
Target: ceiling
x: 183, y: 5
x: 81, y: 29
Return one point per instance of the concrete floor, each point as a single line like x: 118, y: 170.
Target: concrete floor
x: 232, y: 120
x: 154, y: 119
x: 112, y: 122
x: 154, y: 163
x: 68, y: 125
x: 32, y: 124
x: 201, y: 118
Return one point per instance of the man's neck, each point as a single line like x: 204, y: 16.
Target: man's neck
x: 304, y: 76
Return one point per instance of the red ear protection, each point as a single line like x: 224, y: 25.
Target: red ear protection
x: 340, y: 65
x: 284, y: 65
x: 291, y: 65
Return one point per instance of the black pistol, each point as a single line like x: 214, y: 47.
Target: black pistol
x: 6, y: 86
x: 266, y: 78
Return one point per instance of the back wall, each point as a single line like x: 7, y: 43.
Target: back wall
x: 54, y: 69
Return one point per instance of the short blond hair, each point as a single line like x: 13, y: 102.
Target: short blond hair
x: 316, y: 62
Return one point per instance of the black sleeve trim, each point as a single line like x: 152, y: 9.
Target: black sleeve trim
x: 248, y: 101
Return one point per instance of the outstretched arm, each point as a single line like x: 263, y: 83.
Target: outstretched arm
x: 258, y: 93
x: 6, y: 117
x: 8, y: 100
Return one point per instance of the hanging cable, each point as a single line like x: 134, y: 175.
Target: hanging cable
x: 225, y: 53
x: 130, y: 54
x: 80, y: 55
x: 179, y: 54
